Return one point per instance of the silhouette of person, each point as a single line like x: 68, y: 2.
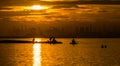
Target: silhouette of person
x: 33, y: 39
x: 73, y: 41
x: 51, y: 38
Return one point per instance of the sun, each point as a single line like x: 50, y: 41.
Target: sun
x: 37, y: 7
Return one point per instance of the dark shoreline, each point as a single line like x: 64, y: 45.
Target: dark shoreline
x: 26, y: 41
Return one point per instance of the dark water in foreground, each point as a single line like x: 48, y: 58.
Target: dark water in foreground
x: 87, y: 52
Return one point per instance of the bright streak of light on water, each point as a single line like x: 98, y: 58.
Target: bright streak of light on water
x: 37, y: 55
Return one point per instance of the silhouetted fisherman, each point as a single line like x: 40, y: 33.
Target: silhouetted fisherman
x: 73, y: 41
x: 33, y: 39
x: 54, y: 40
x: 51, y: 39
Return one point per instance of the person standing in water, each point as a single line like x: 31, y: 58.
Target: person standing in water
x: 33, y: 39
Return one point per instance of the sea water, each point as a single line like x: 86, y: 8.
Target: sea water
x: 87, y: 52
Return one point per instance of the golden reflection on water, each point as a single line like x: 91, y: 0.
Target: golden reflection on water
x: 37, y: 54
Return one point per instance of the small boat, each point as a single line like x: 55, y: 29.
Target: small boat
x: 57, y: 42
x: 52, y: 40
x: 73, y: 41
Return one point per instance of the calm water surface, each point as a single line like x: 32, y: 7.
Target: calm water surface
x: 87, y: 52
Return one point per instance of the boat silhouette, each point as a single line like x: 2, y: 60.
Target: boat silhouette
x: 73, y: 41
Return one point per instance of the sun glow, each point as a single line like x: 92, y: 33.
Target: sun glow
x: 37, y: 40
x: 38, y: 7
